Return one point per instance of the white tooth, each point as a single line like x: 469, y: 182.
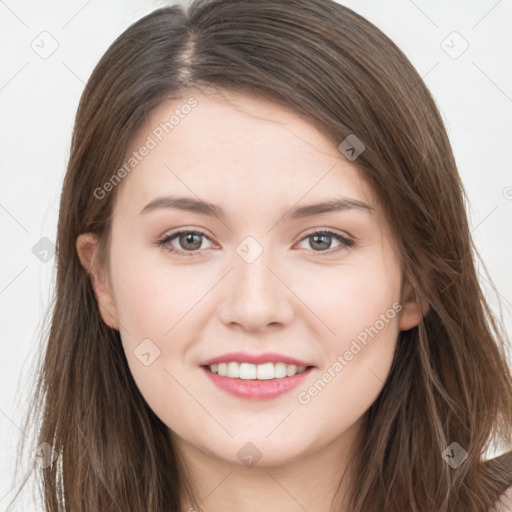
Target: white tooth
x: 247, y: 371
x: 291, y: 370
x: 265, y: 371
x: 280, y: 370
x: 233, y: 370
x: 222, y: 368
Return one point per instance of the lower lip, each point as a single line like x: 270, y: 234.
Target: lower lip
x: 253, y: 389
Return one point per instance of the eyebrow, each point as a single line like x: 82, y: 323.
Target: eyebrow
x: 190, y: 204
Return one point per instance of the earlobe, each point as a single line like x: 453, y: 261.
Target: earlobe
x: 413, y: 308
x: 87, y: 249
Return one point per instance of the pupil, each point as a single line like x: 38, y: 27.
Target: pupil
x: 324, y: 237
x: 189, y: 239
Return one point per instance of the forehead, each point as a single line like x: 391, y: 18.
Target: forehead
x: 239, y: 149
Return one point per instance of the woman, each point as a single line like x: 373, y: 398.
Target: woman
x: 323, y: 343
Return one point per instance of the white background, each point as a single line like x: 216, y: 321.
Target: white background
x: 39, y: 97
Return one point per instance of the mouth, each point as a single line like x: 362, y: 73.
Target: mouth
x: 249, y: 371
x: 256, y: 382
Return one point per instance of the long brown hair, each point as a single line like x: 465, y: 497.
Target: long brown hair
x: 449, y: 382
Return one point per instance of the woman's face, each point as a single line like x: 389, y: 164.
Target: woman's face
x: 249, y: 276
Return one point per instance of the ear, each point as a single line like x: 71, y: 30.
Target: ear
x: 87, y: 248
x: 413, y: 308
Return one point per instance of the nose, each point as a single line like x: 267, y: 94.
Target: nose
x: 255, y: 293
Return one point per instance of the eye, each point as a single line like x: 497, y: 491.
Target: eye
x: 188, y: 239
x: 191, y: 241
x: 322, y: 239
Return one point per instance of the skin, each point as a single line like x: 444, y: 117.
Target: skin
x: 256, y: 160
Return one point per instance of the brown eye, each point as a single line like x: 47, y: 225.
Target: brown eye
x: 321, y: 241
x: 189, y: 242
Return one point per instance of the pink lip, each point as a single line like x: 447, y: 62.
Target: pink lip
x: 254, y: 389
x: 243, y: 357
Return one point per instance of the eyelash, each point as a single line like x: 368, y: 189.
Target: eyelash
x: 345, y: 242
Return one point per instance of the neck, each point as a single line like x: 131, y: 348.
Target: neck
x: 311, y: 480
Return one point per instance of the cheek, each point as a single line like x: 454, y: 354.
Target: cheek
x: 152, y: 297
x: 349, y: 298
x: 361, y: 307
x: 155, y: 306
x: 161, y: 308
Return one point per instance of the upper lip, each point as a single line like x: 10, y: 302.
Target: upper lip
x: 244, y: 357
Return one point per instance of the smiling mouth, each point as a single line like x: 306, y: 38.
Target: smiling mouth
x: 249, y: 371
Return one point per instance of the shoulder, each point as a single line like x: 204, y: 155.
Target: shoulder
x: 503, y: 465
x: 504, y: 504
